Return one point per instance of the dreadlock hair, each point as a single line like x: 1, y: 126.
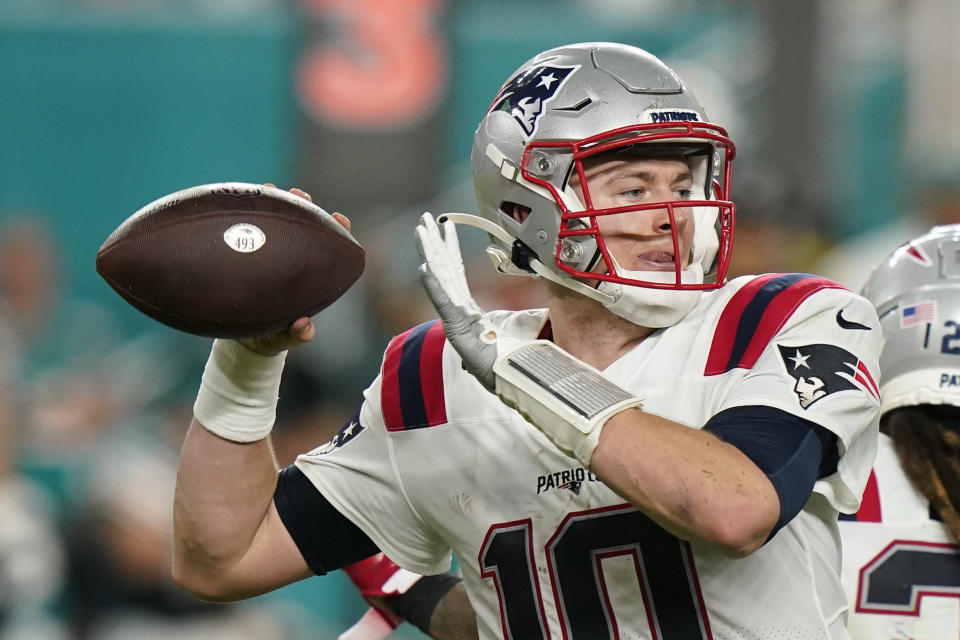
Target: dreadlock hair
x: 927, y: 440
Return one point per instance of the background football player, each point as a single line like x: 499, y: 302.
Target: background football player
x: 901, y: 563
x: 639, y: 459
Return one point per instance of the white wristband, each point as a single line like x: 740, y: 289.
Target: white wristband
x: 567, y: 399
x: 238, y: 396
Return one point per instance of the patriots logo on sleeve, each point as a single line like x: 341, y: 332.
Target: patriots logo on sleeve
x: 822, y: 369
x: 348, y: 432
x: 524, y: 97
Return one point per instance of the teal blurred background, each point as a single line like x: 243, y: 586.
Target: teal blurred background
x: 844, y: 113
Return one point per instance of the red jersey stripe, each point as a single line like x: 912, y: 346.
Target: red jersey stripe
x: 755, y: 314
x: 870, y: 504
x: 777, y: 314
x: 431, y: 375
x: 390, y: 385
x: 726, y: 331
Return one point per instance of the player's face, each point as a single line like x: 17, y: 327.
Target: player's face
x: 641, y: 240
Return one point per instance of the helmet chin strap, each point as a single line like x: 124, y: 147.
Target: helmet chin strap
x: 653, y: 308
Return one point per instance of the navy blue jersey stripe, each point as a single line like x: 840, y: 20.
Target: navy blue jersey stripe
x: 411, y: 389
x: 753, y: 312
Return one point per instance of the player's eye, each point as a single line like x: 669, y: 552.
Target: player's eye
x: 634, y: 193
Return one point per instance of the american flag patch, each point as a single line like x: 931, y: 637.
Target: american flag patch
x: 918, y: 313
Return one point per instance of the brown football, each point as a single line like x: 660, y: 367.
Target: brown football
x: 230, y: 260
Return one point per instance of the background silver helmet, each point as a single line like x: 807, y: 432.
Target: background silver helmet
x: 916, y: 292
x: 568, y: 104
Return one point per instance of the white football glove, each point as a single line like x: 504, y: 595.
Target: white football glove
x: 467, y: 327
x: 565, y: 398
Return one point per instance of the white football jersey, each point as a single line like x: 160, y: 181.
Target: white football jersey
x: 437, y: 464
x: 901, y: 568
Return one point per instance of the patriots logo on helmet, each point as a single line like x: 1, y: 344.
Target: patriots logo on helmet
x: 351, y: 430
x: 524, y: 97
x: 822, y: 369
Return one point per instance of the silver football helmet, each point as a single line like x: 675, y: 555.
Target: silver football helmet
x: 916, y: 292
x: 576, y: 101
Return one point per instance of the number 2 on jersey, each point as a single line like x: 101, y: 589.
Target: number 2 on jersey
x: 575, y: 553
x: 906, y: 571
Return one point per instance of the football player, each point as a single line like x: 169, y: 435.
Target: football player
x: 659, y: 453
x: 901, y: 563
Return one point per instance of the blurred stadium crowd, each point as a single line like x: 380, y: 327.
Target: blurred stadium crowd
x: 841, y: 113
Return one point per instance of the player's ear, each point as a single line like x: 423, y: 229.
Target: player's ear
x: 516, y: 211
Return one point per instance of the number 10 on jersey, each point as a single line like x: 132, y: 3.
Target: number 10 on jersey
x: 575, y: 553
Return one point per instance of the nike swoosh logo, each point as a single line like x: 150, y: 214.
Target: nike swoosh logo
x: 849, y: 324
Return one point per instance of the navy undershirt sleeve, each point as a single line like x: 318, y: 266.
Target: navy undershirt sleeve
x: 326, y: 538
x: 791, y: 451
